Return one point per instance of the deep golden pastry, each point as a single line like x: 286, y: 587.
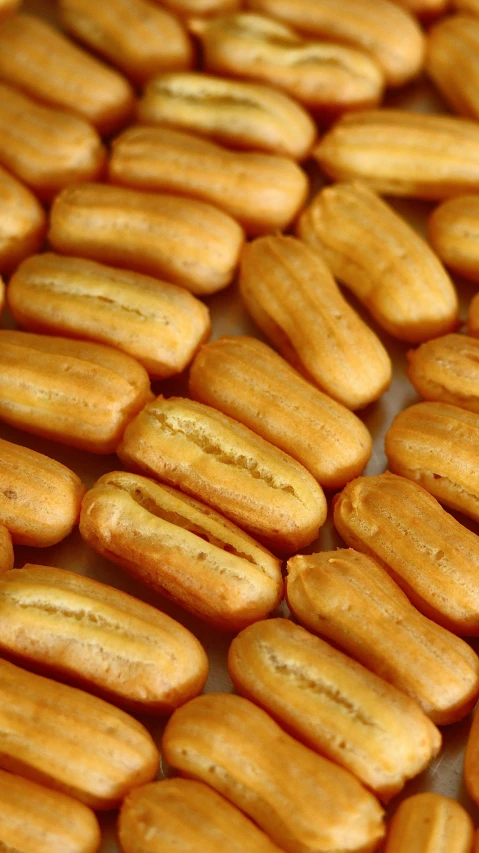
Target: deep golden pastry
x: 36, y: 819
x: 39, y: 497
x: 453, y: 231
x: 349, y: 598
x: 37, y: 58
x: 278, y: 404
x: 94, y: 635
x: 403, y: 153
x: 263, y: 192
x: 435, y: 444
x: 139, y: 37
x: 324, y: 76
x: 452, y: 62
x: 187, y: 8
x: 292, y: 296
x: 333, y: 704
x: 429, y: 822
x: 473, y: 317
x: 386, y: 264
x: 71, y: 741
x: 224, y: 464
x: 432, y: 557
x: 237, y: 114
x: 22, y: 224
x: 185, y: 241
x: 180, y: 815
x: 76, y: 392
x: 45, y: 147
x: 182, y: 548
x: 302, y: 800
x: 379, y: 27
x: 445, y: 370
x: 160, y: 324
x: 6, y: 550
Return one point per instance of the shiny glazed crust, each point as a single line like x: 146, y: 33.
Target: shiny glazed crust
x: 333, y: 704
x: 103, y: 639
x: 224, y: 464
x: 182, y: 548
x: 302, y: 800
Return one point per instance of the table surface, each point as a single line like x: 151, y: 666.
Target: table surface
x: 229, y: 317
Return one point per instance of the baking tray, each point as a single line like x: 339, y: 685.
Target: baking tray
x: 229, y: 317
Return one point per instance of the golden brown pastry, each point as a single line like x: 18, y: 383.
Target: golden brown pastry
x: 187, y: 8
x: 38, y: 59
x: 70, y: 741
x: 435, y: 444
x: 379, y: 27
x: 185, y: 241
x: 7, y: 7
x: 403, y: 153
x: 45, y: 147
x: 333, y: 704
x: 452, y: 62
x: 469, y: 6
x: 160, y: 324
x: 349, y: 598
x: 432, y: 557
x: 139, y: 37
x: 473, y: 317
x: 82, y: 631
x: 302, y: 800
x: 36, y: 819
x: 425, y: 8
x: 386, y: 264
x: 445, y: 370
x: 237, y: 114
x: 39, y: 497
x: 429, y: 822
x: 453, y: 231
x: 291, y: 295
x: 322, y: 75
x: 76, y: 392
x: 224, y: 464
x: 182, y: 548
x: 180, y: 815
x: 263, y: 192
x: 278, y: 404
x: 471, y: 760
x: 22, y: 224
x: 6, y: 550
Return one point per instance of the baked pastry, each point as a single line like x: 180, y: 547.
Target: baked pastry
x: 445, y: 370
x: 22, y: 224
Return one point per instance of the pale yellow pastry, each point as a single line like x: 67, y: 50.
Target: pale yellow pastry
x: 453, y: 231
x: 180, y: 815
x: 302, y: 800
x: 100, y: 638
x: 432, y: 557
x: 292, y: 296
x: 446, y: 370
x: 181, y: 548
x: 403, y: 153
x: 452, y: 62
x: 45, y: 147
x: 139, y: 37
x: 185, y: 241
x: 382, y: 260
x: 379, y: 27
x: 237, y: 114
x: 41, y: 61
x: 473, y: 317
x: 160, y: 324
x: 430, y: 822
x: 333, y: 704
x: 6, y: 550
x: 70, y: 741
x: 436, y: 445
x: 323, y: 75
x: 39, y: 497
x: 224, y: 464
x: 264, y: 192
x: 36, y: 819
x: 75, y: 392
x: 278, y: 404
x: 348, y: 597
x: 22, y: 224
